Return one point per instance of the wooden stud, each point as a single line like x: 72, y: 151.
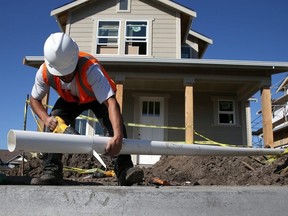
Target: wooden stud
x: 45, y: 102
x: 189, y: 117
x: 119, y: 95
x: 267, y: 117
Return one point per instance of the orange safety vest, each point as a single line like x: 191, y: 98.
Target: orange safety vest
x: 86, y: 93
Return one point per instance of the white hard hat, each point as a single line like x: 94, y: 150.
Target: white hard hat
x: 60, y: 54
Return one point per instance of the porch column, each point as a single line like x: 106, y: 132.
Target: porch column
x: 267, y: 117
x: 119, y: 93
x: 189, y: 110
x: 248, y: 123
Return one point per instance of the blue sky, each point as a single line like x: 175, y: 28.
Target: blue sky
x: 245, y: 30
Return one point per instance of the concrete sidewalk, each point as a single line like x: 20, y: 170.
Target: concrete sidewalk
x: 139, y: 200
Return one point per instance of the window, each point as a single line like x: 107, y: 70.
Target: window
x: 226, y: 112
x: 99, y: 129
x: 186, y: 52
x: 108, y: 37
x: 136, y: 38
x: 150, y: 108
x: 123, y: 5
x: 80, y: 126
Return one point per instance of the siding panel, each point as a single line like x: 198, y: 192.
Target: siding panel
x: 164, y: 28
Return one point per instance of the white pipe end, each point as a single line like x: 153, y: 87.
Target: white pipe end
x: 11, y: 141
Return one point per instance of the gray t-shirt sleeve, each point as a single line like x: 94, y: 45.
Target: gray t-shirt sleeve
x: 40, y: 88
x: 99, y: 83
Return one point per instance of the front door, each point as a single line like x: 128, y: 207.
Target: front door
x: 151, y: 113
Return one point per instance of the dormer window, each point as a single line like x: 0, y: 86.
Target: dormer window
x: 108, y: 37
x: 136, y: 38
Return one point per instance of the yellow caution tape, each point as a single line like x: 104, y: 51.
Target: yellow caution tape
x: 87, y: 171
x: 270, y: 159
x: 285, y: 152
x: 155, y: 126
x: 35, y: 118
x: 79, y: 170
x: 206, y: 141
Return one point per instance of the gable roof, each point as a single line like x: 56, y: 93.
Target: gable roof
x: 77, y: 3
x: 201, y: 36
x: 203, y: 41
x: 186, y: 14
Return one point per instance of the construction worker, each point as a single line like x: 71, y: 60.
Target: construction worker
x: 82, y: 84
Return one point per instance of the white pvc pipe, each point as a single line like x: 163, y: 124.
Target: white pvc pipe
x: 28, y: 141
x: 32, y: 141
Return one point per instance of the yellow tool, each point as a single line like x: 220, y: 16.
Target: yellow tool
x: 65, y: 129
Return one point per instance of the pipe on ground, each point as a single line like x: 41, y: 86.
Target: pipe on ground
x: 31, y: 141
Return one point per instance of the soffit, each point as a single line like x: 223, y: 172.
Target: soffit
x: 182, y: 66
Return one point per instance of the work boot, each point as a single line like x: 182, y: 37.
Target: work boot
x: 48, y: 178
x: 130, y: 176
x: 52, y: 171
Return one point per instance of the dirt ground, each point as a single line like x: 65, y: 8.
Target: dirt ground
x: 177, y: 170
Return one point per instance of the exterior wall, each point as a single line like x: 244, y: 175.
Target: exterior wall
x: 204, y: 114
x: 82, y: 27
x: 128, y: 111
x: 279, y: 112
x: 82, y: 32
x: 205, y: 120
x: 164, y: 31
x: 176, y: 115
x: 280, y: 131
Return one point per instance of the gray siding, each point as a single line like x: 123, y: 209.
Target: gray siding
x: 176, y: 115
x: 203, y: 118
x: 204, y: 114
x: 128, y: 111
x: 164, y: 29
x: 82, y: 32
x: 163, y: 37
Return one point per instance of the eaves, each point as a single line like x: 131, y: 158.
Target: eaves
x: 269, y: 67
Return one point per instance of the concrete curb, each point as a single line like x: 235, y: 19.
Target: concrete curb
x: 110, y: 200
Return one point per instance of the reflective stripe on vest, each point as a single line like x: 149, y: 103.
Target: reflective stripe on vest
x: 86, y: 93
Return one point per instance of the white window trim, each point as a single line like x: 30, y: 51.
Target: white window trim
x: 226, y: 112
x: 96, y: 37
x: 215, y: 101
x: 124, y: 11
x: 148, y: 47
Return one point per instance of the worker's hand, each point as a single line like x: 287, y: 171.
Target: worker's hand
x: 113, y: 146
x: 51, y: 123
